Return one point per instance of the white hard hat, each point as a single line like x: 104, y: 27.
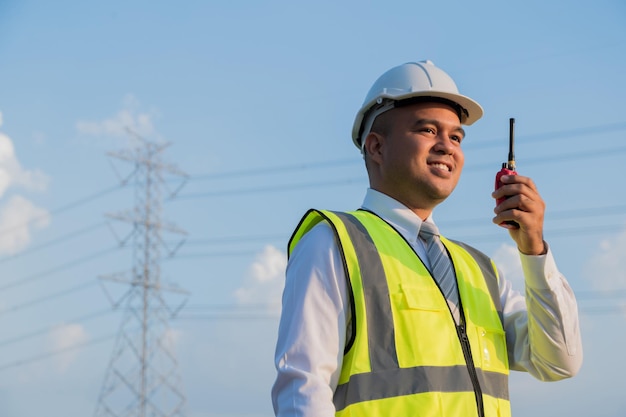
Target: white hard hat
x: 407, y: 81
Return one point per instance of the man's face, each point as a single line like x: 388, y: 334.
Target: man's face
x: 419, y: 160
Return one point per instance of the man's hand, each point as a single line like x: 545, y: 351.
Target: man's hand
x: 525, y: 206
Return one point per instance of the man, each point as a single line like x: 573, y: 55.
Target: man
x: 376, y: 321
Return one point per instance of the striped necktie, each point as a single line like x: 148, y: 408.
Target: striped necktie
x: 441, y: 266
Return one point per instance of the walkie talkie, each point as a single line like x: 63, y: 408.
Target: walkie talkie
x: 508, y: 168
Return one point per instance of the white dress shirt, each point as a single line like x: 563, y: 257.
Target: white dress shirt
x: 542, y: 329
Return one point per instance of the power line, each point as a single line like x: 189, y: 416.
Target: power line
x: 40, y: 300
x: 56, y: 352
x: 562, y: 157
x: 54, y: 242
x: 275, y: 169
x: 602, y: 153
x: 271, y: 188
x: 246, y: 317
x: 537, y: 137
x: 557, y: 214
x: 574, y: 231
x: 213, y: 255
x: 69, y: 206
x: 559, y: 134
x: 62, y: 267
x: 47, y: 329
x: 231, y: 239
x: 552, y: 233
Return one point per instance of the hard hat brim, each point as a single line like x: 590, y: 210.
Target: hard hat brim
x: 473, y: 109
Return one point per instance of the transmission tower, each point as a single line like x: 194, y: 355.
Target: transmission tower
x: 142, y: 378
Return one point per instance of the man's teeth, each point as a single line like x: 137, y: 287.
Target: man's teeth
x: 442, y: 166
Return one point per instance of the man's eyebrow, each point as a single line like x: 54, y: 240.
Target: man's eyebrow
x: 435, y: 122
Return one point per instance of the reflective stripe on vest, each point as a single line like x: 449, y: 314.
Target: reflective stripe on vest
x: 386, y: 379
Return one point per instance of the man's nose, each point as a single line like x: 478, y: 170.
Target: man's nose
x: 445, y: 144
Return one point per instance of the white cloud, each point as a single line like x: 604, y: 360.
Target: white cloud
x: 508, y: 261
x: 65, y: 337
x: 609, y: 263
x: 605, y: 269
x: 17, y: 218
x: 171, y: 339
x: 123, y: 125
x: 12, y: 173
x: 264, y: 281
x: 18, y: 215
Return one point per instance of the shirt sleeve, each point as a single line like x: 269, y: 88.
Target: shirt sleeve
x: 312, y: 330
x: 542, y: 327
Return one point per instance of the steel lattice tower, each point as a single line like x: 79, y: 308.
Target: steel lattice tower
x: 142, y: 378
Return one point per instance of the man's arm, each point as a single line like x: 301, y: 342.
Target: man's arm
x: 312, y: 331
x: 542, y: 328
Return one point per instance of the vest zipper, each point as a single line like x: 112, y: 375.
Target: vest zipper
x: 467, y: 352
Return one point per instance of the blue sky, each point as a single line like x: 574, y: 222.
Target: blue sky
x: 257, y: 101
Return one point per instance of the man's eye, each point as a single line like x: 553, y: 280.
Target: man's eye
x: 456, y: 138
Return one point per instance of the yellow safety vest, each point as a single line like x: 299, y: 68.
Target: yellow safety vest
x: 406, y: 356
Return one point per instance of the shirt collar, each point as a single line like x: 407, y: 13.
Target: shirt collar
x: 395, y: 213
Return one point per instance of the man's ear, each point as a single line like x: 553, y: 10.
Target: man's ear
x: 374, y: 144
